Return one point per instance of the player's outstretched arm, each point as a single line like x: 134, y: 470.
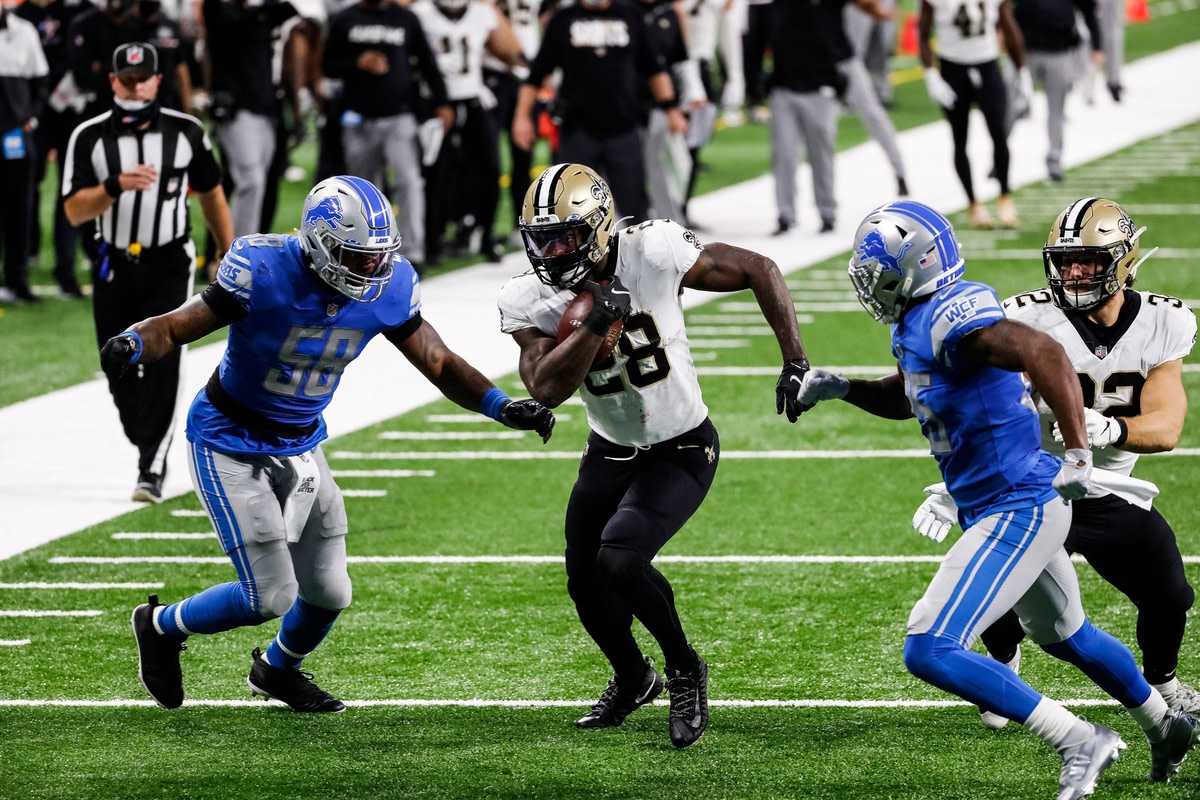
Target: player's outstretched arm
x: 461, y: 383
x: 153, y: 338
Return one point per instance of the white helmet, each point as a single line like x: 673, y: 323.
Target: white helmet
x: 348, y: 232
x: 902, y: 250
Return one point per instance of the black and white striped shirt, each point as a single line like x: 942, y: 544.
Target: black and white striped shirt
x: 175, y: 144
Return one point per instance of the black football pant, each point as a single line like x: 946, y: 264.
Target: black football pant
x: 504, y: 86
x: 981, y: 85
x: 465, y: 179
x: 16, y: 215
x: 618, y: 159
x: 626, y: 504
x: 1134, y: 550
x: 145, y: 394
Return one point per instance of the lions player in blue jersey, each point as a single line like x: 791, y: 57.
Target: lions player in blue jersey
x: 299, y: 309
x: 959, y: 369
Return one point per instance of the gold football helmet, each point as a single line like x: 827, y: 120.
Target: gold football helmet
x: 567, y: 223
x: 1095, y: 229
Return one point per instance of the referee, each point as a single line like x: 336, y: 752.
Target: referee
x: 130, y: 168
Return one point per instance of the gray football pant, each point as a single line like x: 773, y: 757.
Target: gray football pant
x: 1056, y: 73
x: 248, y: 146
x: 391, y: 143
x: 968, y: 594
x: 874, y: 41
x: 861, y: 98
x: 245, y: 498
x: 663, y: 204
x: 1112, y: 31
x: 803, y: 122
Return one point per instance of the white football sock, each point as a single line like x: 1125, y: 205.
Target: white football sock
x: 1056, y: 726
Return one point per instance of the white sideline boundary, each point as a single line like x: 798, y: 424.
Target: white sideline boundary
x: 66, y: 465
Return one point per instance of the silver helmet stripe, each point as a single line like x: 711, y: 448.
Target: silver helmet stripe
x: 1073, y: 218
x: 543, y: 202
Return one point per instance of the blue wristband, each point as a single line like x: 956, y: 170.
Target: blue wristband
x: 493, y: 400
x: 138, y: 353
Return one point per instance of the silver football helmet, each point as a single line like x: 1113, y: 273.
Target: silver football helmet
x: 1095, y: 230
x: 902, y: 250
x: 348, y: 232
x: 567, y: 222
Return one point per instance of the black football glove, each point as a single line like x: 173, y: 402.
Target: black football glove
x: 787, y: 389
x: 528, y: 415
x: 612, y: 303
x: 120, y: 351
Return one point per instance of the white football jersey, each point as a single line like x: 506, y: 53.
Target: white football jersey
x: 966, y: 30
x: 522, y: 15
x: 458, y: 44
x: 703, y: 20
x: 1111, y: 376
x: 648, y: 391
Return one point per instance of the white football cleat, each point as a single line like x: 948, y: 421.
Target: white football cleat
x: 995, y: 721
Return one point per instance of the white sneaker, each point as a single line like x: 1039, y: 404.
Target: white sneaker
x: 1179, y: 695
x: 1006, y: 211
x: 995, y: 721
x: 979, y: 217
x: 1083, y: 763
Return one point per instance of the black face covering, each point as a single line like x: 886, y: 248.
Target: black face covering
x: 133, y: 114
x: 148, y: 8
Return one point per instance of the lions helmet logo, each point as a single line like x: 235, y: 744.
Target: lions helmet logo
x: 328, y: 208
x: 874, y: 248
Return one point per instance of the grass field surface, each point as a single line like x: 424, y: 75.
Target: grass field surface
x: 462, y: 661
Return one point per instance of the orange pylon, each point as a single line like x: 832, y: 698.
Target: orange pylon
x: 1137, y: 11
x: 908, y: 35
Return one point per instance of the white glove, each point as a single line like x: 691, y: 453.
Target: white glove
x: 821, y: 385
x: 937, y: 515
x: 1074, y: 479
x: 1101, y: 430
x: 938, y: 89
x: 1025, y: 84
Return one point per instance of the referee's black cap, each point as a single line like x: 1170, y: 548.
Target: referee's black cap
x: 135, y: 57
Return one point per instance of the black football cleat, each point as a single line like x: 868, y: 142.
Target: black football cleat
x: 290, y: 686
x: 689, y: 703
x: 620, y: 700
x: 158, y: 657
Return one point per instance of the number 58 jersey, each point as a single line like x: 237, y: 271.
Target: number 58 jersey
x: 1112, y: 363
x: 647, y: 391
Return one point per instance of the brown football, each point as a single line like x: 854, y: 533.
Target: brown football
x: 573, y: 318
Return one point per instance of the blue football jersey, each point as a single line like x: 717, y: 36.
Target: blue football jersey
x: 285, y: 357
x: 980, y: 421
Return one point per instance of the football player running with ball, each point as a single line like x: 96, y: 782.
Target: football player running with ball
x: 652, y: 452
x: 959, y: 373
x: 299, y: 308
x: 1127, y: 348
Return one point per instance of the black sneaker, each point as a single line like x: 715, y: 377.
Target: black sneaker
x: 290, y: 686
x: 620, y: 700
x: 148, y: 489
x: 158, y: 657
x: 689, y: 703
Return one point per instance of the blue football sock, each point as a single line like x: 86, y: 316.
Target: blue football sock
x: 303, y: 627
x: 976, y: 678
x: 1106, y: 661
x: 219, y: 608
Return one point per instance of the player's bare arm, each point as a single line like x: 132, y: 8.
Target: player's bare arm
x: 1163, y: 409
x: 162, y: 334
x: 1016, y: 347
x: 448, y: 371
x: 552, y: 372
x: 1014, y: 41
x: 725, y: 268
x: 883, y: 397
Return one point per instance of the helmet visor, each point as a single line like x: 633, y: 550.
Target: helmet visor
x: 552, y: 241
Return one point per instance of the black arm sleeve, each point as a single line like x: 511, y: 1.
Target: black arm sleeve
x: 1088, y: 9
x: 204, y: 173
x: 398, y: 335
x: 428, y: 66
x: 223, y: 304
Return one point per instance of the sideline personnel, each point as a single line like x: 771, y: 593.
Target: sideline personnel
x: 131, y: 168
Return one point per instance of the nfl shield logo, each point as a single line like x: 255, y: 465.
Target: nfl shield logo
x: 1101, y: 351
x: 134, y: 55
x: 331, y: 310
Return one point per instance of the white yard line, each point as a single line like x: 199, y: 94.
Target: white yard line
x: 81, y: 586
x: 48, y: 613
x: 542, y: 560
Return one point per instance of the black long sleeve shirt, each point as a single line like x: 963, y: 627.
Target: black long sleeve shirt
x: 1049, y: 25
x: 241, y: 48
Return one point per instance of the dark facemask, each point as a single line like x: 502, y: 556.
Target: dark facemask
x: 132, y: 114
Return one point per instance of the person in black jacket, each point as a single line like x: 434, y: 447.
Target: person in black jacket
x: 379, y: 52
x: 605, y: 54
x: 23, y: 72
x: 1051, y: 37
x: 244, y: 102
